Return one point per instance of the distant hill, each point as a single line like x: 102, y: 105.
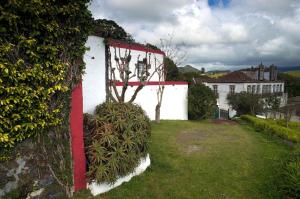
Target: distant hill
x: 288, y: 68
x: 218, y: 71
x: 188, y: 69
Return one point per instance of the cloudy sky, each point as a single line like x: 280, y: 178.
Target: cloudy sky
x: 216, y: 34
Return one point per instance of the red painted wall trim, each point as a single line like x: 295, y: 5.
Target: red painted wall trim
x: 133, y: 46
x: 153, y: 83
x: 76, y: 125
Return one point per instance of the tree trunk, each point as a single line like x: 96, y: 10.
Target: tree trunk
x: 252, y: 110
x: 157, y: 113
x: 135, y: 93
x: 287, y: 118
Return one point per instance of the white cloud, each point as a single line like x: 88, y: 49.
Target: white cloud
x: 244, y: 33
x: 235, y: 32
x: 274, y: 46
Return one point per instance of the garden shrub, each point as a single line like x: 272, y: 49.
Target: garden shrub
x: 245, y: 103
x: 289, y: 181
x: 292, y: 125
x: 273, y: 128
x: 201, y: 102
x: 116, y: 137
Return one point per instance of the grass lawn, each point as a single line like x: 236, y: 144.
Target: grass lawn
x: 216, y: 75
x: 205, y: 160
x: 294, y: 73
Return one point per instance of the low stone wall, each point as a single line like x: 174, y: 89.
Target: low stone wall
x: 26, y: 175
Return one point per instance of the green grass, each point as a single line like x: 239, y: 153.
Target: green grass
x: 205, y: 160
x: 294, y: 73
x: 216, y: 75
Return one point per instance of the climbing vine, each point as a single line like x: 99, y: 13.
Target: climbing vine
x: 41, y: 47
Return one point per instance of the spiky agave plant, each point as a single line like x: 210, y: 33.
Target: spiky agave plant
x: 116, y: 137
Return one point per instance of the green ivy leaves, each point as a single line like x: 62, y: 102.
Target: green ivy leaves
x: 41, y: 45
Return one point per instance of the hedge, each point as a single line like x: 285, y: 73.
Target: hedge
x: 273, y: 128
x: 292, y: 125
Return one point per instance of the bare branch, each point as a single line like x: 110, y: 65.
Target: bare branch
x: 123, y: 70
x: 175, y: 52
x: 112, y: 97
x: 139, y: 88
x: 114, y: 86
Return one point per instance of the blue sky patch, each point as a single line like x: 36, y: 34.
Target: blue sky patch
x: 217, y: 3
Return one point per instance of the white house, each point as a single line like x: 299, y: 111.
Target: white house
x: 104, y: 54
x: 260, y: 80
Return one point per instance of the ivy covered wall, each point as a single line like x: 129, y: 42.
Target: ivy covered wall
x: 41, y: 47
x: 41, y: 50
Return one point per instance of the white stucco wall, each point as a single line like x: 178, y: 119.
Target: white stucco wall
x: 174, y: 102
x: 93, y: 84
x: 97, y: 189
x: 155, y: 58
x: 223, y: 90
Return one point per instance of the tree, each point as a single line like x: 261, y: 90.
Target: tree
x: 202, y: 70
x: 245, y: 103
x: 288, y: 110
x: 189, y: 76
x: 121, y: 71
x: 291, y: 108
x: 201, y: 102
x: 110, y: 29
x: 173, y: 56
x: 168, y: 68
x: 271, y: 104
x: 159, y: 93
x: 171, y: 69
x: 175, y: 52
x: 292, y: 84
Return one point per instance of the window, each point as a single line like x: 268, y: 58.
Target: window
x: 231, y: 89
x: 280, y: 90
x: 274, y: 88
x: 249, y: 89
x: 264, y: 88
x: 277, y: 89
x: 215, y: 88
x: 253, y: 88
x: 258, y: 89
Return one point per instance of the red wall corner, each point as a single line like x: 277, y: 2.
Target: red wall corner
x: 76, y: 125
